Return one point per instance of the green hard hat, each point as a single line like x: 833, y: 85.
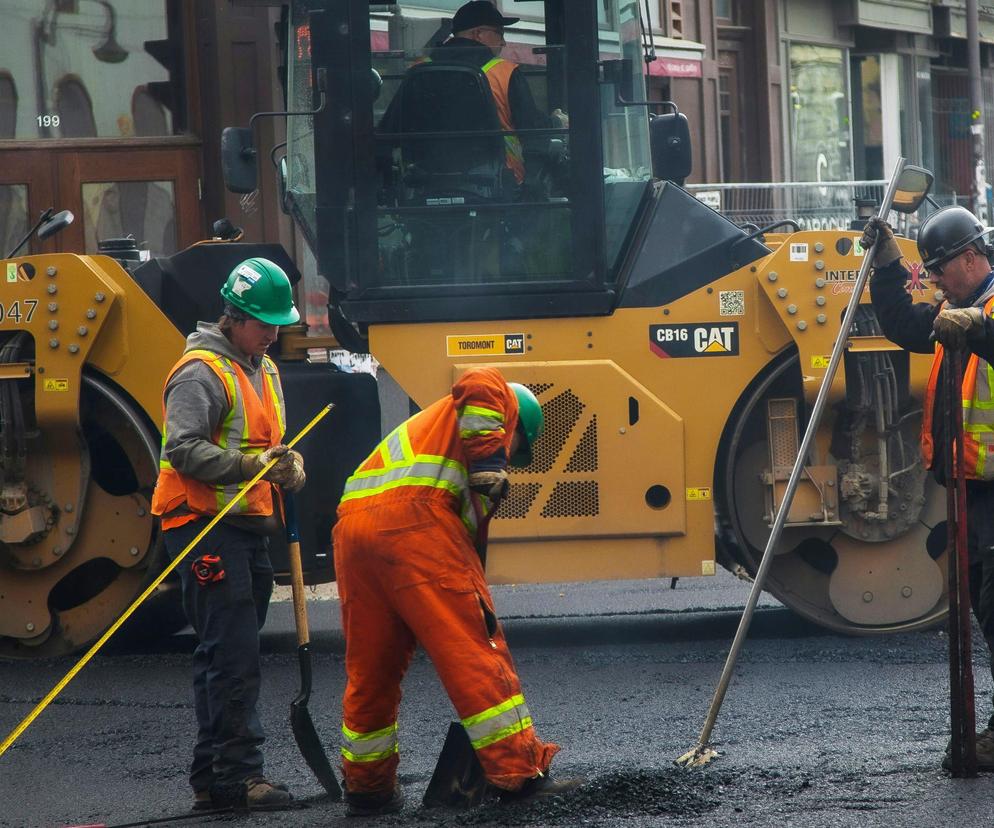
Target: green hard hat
x: 261, y: 289
x: 531, y: 421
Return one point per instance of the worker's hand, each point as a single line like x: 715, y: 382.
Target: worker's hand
x: 954, y: 327
x: 287, y: 472
x: 491, y: 484
x: 879, y: 231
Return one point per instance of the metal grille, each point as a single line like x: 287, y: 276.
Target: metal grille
x: 573, y: 499
x: 584, y: 457
x: 539, y: 388
x: 782, y: 425
x: 561, y: 415
x: 519, y: 500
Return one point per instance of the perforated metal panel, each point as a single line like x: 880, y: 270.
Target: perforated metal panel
x: 782, y: 434
x: 573, y: 498
x: 519, y: 500
x: 584, y: 457
x: 562, y: 413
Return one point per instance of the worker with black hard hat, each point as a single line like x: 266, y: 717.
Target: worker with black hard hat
x: 955, y: 253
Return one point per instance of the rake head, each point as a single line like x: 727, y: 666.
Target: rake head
x: 696, y: 757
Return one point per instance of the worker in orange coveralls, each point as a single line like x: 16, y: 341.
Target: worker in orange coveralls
x: 408, y: 572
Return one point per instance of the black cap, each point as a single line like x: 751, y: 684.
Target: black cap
x: 480, y: 13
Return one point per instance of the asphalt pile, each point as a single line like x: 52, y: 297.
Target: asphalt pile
x: 672, y: 792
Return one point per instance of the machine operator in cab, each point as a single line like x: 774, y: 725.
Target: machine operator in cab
x: 224, y: 419
x: 478, y: 40
x: 408, y: 558
x: 956, y: 254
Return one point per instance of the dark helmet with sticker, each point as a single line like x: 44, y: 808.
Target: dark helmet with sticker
x: 947, y: 233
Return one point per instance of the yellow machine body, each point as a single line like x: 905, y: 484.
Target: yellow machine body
x: 77, y: 535
x: 627, y: 477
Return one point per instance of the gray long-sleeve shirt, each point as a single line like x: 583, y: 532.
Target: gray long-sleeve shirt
x: 196, y: 403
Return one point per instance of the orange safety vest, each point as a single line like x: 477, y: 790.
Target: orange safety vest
x: 250, y: 425
x: 428, y: 456
x: 498, y: 72
x: 978, y: 413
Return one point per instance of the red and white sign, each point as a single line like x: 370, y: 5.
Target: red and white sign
x: 675, y: 67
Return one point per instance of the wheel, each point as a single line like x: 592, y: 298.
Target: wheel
x: 117, y: 551
x: 866, y: 573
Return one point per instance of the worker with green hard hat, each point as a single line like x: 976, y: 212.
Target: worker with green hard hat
x: 224, y: 420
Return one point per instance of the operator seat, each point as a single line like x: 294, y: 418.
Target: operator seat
x: 455, y: 99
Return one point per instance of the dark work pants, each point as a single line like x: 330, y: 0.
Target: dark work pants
x: 980, y: 537
x: 227, y: 616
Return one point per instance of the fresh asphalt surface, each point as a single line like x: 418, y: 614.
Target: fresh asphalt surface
x: 817, y: 730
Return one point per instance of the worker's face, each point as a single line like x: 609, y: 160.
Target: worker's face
x: 253, y: 337
x: 961, y: 275
x: 491, y: 37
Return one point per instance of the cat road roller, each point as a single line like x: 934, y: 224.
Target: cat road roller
x: 675, y: 354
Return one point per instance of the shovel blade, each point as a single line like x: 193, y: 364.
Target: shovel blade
x: 458, y: 780
x: 306, y: 735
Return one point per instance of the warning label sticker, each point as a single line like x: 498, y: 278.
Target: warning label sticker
x: 697, y: 339
x: 699, y: 493
x: 485, y: 345
x: 56, y: 385
x: 11, y: 271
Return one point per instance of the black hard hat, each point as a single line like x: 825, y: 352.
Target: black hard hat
x: 480, y: 13
x: 947, y: 233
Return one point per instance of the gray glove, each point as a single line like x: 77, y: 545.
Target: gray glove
x: 288, y: 472
x: 879, y: 231
x: 490, y: 484
x: 954, y: 327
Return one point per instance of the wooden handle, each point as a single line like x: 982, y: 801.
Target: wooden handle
x: 299, y: 599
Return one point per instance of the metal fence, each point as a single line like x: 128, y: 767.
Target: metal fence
x: 814, y: 205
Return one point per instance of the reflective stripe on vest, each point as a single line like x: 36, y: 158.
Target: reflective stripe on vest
x: 369, y: 747
x: 978, y: 412
x: 498, y: 722
x: 234, y: 432
x: 498, y: 72
x: 476, y: 421
x: 402, y: 467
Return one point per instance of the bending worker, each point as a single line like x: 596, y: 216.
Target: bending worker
x: 408, y: 572
x: 224, y: 420
x: 956, y: 255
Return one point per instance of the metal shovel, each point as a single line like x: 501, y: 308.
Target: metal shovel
x: 300, y: 717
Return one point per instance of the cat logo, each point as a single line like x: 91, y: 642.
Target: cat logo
x: 694, y: 340
x: 485, y: 345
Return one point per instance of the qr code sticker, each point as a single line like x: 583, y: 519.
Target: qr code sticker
x: 731, y: 302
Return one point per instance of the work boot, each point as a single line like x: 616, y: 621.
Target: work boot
x: 985, y: 752
x: 543, y: 787
x: 256, y: 792
x: 202, y: 800
x: 373, y: 803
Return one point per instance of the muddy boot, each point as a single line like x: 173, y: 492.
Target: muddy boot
x: 260, y: 793
x: 543, y: 787
x: 373, y: 803
x: 985, y: 752
x: 202, y: 801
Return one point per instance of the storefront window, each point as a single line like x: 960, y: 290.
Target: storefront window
x: 143, y: 209
x: 83, y: 62
x: 13, y: 217
x: 819, y: 114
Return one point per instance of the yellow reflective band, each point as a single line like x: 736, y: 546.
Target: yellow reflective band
x: 480, y: 411
x: 369, y: 747
x: 496, y: 710
x: 503, y: 733
x: 498, y: 722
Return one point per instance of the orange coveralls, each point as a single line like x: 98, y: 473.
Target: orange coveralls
x: 408, y: 572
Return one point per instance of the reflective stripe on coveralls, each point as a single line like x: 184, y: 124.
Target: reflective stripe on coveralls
x: 498, y: 722
x: 498, y: 72
x: 369, y: 747
x: 475, y: 421
x: 978, y: 412
x: 401, y: 467
x: 251, y: 425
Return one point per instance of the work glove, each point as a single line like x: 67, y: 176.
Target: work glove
x: 886, y: 252
x: 490, y: 484
x: 288, y: 472
x: 955, y: 327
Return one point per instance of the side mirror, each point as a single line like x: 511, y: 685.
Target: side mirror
x: 912, y: 187
x: 669, y: 140
x: 238, y: 165
x: 58, y: 222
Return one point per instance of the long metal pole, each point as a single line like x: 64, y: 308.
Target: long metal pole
x: 976, y: 110
x: 701, y: 754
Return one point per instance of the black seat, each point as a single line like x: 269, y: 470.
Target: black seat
x: 447, y: 98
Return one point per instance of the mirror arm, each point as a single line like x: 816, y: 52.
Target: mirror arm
x: 761, y: 231
x: 45, y: 216
x: 322, y: 83
x: 273, y: 151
